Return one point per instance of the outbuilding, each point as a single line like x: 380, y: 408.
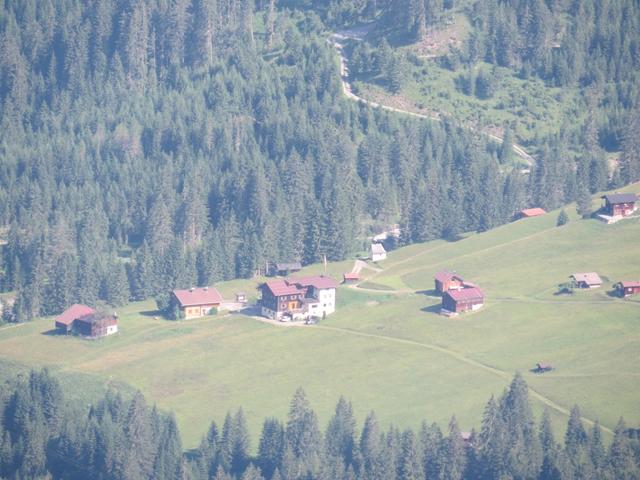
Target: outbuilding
x: 65, y: 322
x: 96, y: 325
x: 460, y: 301
x: 620, y: 204
x: 445, y: 281
x: 628, y: 288
x: 587, y: 280
x: 531, y: 212
x: 378, y: 252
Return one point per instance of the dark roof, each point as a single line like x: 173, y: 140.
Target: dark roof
x: 74, y: 312
x: 621, y: 198
x: 198, y: 296
x: 317, y: 281
x: 444, y: 276
x: 466, y: 294
x: 532, y: 212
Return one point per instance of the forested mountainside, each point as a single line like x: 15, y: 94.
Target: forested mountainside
x: 149, y: 144
x: 42, y: 436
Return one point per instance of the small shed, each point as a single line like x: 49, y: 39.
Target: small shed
x: 531, y: 212
x: 283, y: 269
x: 241, y: 297
x: 619, y: 204
x: 350, y: 277
x: 378, y: 252
x: 96, y: 325
x: 587, y: 280
x: 445, y: 281
x: 628, y: 288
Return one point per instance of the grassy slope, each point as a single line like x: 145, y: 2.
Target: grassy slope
x: 387, y: 350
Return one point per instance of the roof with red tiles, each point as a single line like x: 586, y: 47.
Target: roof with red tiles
x: 630, y: 284
x: 73, y: 313
x: 466, y: 294
x: 532, y: 212
x: 318, y: 281
x: 282, y: 287
x: 444, y: 276
x: 198, y: 296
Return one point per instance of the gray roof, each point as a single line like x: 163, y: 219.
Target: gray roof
x: 621, y: 198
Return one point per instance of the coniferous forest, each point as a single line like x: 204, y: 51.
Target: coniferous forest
x: 43, y: 437
x: 152, y: 144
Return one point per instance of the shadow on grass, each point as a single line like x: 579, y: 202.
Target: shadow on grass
x: 432, y: 308
x: 613, y: 293
x: 55, y: 332
x: 152, y: 313
x: 429, y: 293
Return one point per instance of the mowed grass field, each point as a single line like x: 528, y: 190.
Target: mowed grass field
x: 387, y: 349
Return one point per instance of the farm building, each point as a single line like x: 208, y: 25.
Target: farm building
x: 587, y: 280
x: 465, y: 300
x: 298, y: 298
x: 284, y: 269
x: 196, y: 302
x: 96, y: 325
x: 86, y: 322
x: 445, y: 281
x: 626, y: 289
x: 619, y: 204
x: 65, y: 322
x: 543, y: 367
x: 378, y: 252
x: 530, y: 212
x: 350, y: 277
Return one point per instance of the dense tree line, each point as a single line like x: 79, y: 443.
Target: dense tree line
x: 149, y: 145
x: 42, y: 436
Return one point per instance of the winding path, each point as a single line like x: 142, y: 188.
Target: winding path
x: 338, y: 40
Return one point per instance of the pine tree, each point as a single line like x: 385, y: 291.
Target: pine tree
x: 563, y: 218
x: 340, y: 435
x: 271, y: 447
x: 302, y: 435
x: 411, y: 466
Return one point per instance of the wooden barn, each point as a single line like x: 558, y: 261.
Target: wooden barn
x: 627, y: 288
x: 445, y: 281
x: 196, y: 302
x: 587, y: 280
x: 530, y: 212
x: 619, y: 204
x: 350, y: 277
x: 284, y: 269
x: 65, y: 322
x: 96, y: 325
x: 378, y: 252
x: 460, y: 301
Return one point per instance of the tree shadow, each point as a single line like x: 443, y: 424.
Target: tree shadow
x: 614, y: 293
x: 152, y: 313
x: 55, y: 332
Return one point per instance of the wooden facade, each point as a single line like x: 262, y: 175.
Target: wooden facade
x: 620, y: 204
x: 196, y: 302
x: 626, y: 289
x: 445, y: 281
x: 465, y: 300
x: 95, y: 325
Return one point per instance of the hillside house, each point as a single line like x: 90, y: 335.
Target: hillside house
x: 350, y: 277
x: 627, y: 288
x: 298, y: 298
x: 530, y: 212
x: 445, y: 281
x: 65, y: 321
x: 460, y: 301
x: 284, y: 269
x: 587, y: 280
x: 196, y: 302
x: 378, y: 252
x: 619, y: 204
x: 96, y: 325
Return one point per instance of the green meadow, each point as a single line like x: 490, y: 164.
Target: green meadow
x: 386, y: 348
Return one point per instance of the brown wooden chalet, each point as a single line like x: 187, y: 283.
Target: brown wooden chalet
x: 465, y: 300
x: 284, y: 268
x: 65, y: 322
x: 620, y: 204
x: 445, y: 281
x: 298, y: 298
x: 196, y: 302
x: 626, y: 289
x: 96, y: 325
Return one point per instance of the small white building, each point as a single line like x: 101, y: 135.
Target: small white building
x: 378, y: 252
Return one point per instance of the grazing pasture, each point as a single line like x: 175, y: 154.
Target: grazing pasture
x: 386, y: 348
